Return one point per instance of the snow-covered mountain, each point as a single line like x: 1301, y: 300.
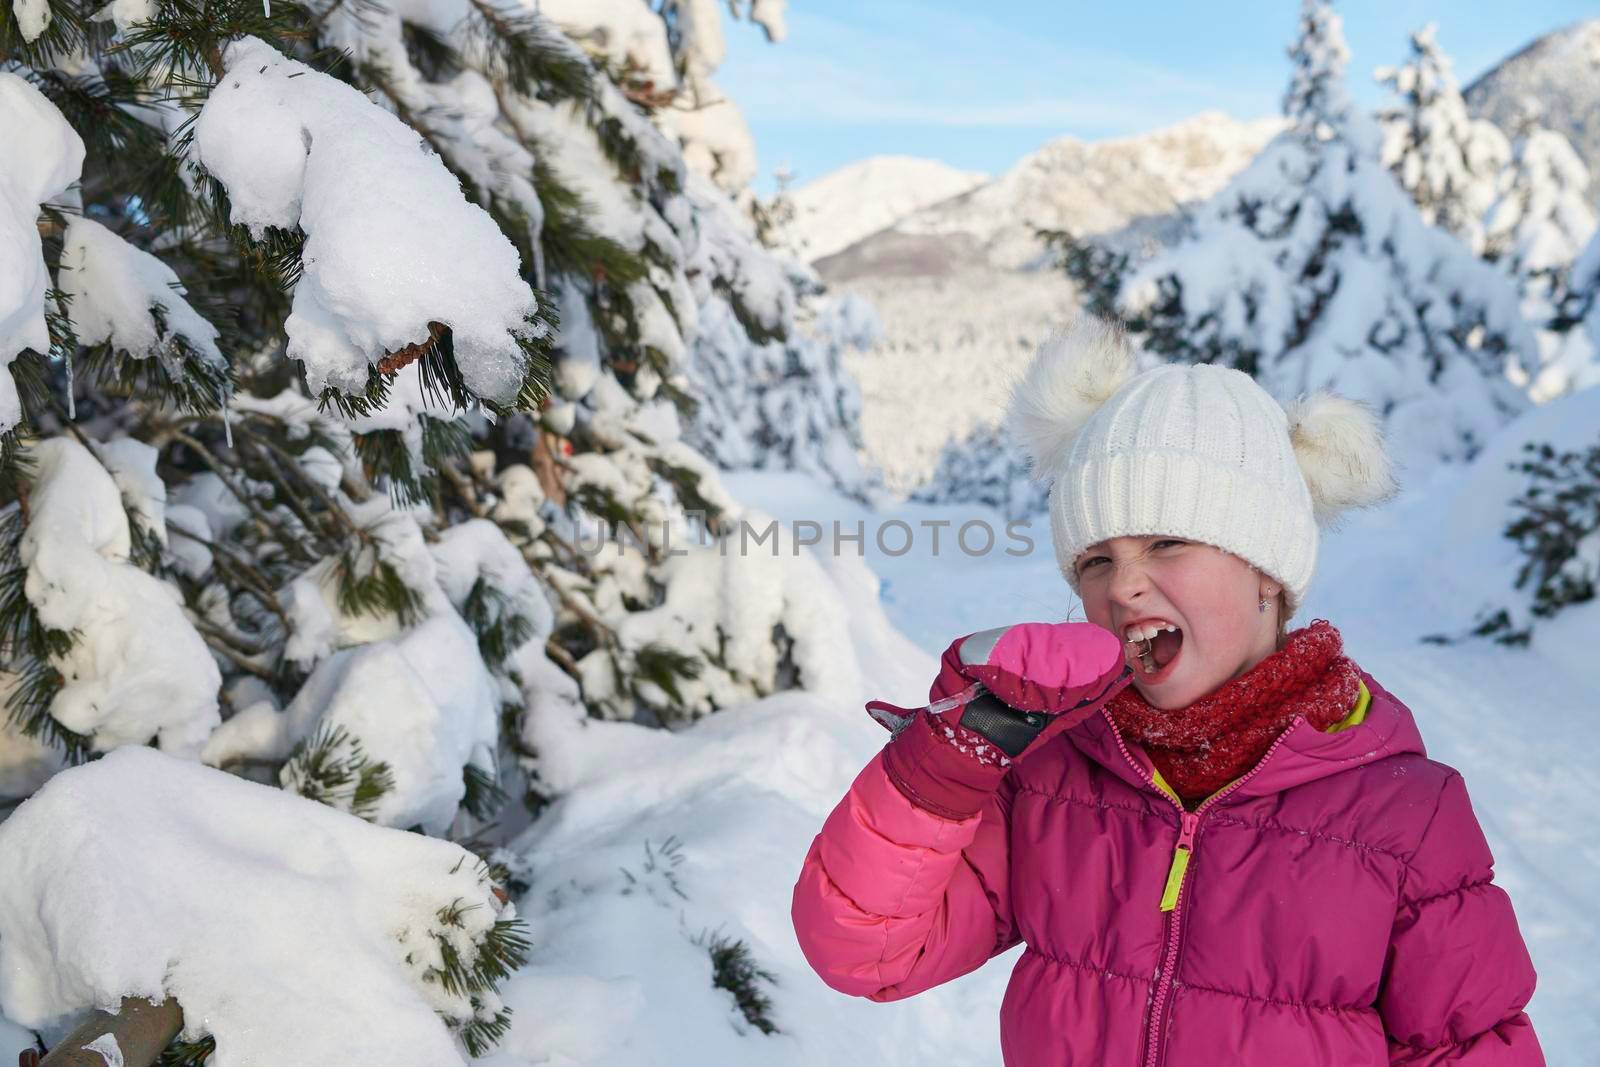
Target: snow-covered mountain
x: 1086, y: 187
x: 1096, y: 187
x: 1561, y: 70
x: 963, y: 289
x: 843, y: 206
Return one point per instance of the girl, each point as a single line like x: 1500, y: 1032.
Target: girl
x: 1220, y: 840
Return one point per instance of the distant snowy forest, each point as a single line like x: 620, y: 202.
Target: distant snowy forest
x: 385, y: 384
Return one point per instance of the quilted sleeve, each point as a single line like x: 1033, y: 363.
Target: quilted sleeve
x: 1458, y: 975
x: 894, y: 899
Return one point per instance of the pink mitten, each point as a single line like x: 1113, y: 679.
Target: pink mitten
x: 1015, y: 686
x: 1054, y: 667
x: 1057, y: 668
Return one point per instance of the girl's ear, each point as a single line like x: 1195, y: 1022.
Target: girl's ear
x: 1074, y: 372
x: 1338, y: 444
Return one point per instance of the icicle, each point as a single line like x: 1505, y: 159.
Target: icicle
x: 266, y: 8
x: 72, y: 401
x: 227, y: 421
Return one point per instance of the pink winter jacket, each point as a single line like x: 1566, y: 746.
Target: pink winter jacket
x: 1334, y: 906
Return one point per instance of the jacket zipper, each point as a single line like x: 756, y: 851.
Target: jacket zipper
x: 1172, y: 896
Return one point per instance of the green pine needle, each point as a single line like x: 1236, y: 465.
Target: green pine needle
x: 187, y: 1053
x: 500, y: 628
x: 331, y: 768
x: 483, y: 798
x: 733, y: 968
x: 367, y: 584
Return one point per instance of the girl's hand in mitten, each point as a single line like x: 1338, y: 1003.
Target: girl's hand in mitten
x: 1057, y: 668
x: 1014, y: 686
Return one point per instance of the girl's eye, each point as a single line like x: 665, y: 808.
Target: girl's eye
x: 1090, y: 563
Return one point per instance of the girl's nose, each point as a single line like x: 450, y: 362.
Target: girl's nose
x: 1128, y: 579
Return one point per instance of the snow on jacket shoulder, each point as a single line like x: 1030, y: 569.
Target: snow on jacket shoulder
x: 1334, y: 906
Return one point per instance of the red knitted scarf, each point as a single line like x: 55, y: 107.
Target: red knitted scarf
x: 1201, y: 748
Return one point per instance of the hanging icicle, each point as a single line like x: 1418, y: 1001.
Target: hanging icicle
x: 72, y: 401
x: 227, y: 419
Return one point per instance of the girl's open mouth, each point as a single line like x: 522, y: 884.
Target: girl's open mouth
x: 1155, y: 660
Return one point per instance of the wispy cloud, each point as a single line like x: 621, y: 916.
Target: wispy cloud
x: 914, y: 66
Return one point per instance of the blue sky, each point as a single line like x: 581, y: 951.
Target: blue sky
x: 980, y: 85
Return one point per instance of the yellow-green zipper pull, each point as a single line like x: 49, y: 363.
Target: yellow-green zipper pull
x: 1180, y: 861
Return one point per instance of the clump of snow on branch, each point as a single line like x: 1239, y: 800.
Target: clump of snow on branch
x: 138, y: 669
x: 111, y: 287
x: 391, y: 241
x: 204, y: 862
x: 422, y: 703
x: 318, y: 622
x: 44, y: 155
x: 708, y: 125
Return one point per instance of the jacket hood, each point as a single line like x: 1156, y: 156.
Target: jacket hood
x: 1304, y: 754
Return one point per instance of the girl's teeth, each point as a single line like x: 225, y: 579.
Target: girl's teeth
x: 1146, y: 633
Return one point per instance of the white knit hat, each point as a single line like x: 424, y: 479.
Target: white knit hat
x: 1197, y: 451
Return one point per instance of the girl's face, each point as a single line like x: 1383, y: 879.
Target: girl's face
x: 1209, y: 594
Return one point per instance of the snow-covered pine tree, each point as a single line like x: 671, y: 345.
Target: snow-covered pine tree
x: 766, y: 348
x: 1450, y: 163
x: 1313, y: 269
x: 1577, y: 321
x: 347, y: 446
x: 1542, y: 218
x: 1535, y: 231
x: 986, y: 468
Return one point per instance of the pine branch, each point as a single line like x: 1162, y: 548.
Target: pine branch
x: 225, y: 644
x: 330, y: 768
x: 663, y: 667
x: 27, y: 647
x: 516, y: 47
x: 483, y: 798
x: 232, y: 565
x: 685, y: 482
x: 179, y: 373
x: 442, y: 382
x: 570, y: 245
x: 290, y: 544
x: 500, y: 628
x: 188, y: 1053
x: 180, y: 45
x: 290, y: 496
x: 98, y: 108
x: 374, y: 588
x: 69, y: 29
x: 499, y: 952
x: 733, y: 968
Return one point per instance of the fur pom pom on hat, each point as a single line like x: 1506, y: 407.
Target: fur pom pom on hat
x: 1197, y: 451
